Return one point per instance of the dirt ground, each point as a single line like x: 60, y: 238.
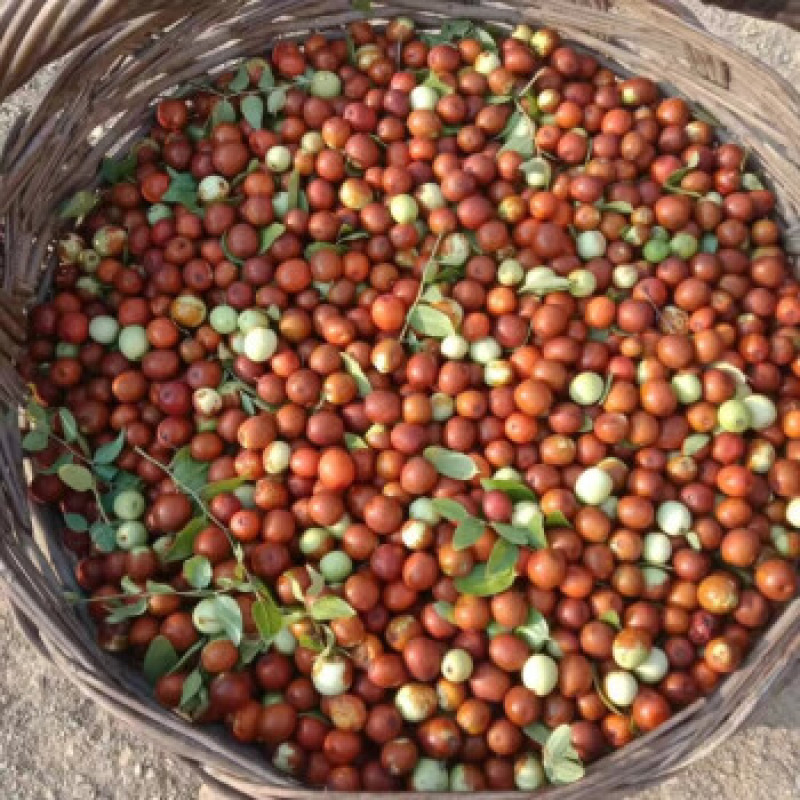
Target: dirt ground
x: 55, y: 745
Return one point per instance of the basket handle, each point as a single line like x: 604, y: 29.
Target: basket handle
x: 37, y: 33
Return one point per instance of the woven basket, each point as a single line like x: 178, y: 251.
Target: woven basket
x: 121, y: 56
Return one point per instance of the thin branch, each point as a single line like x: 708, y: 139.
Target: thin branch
x: 235, y: 546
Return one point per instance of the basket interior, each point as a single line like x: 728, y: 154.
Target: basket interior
x: 98, y: 107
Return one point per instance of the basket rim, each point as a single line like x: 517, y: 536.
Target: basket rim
x: 790, y: 618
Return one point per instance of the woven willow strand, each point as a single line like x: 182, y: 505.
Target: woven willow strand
x: 121, y: 55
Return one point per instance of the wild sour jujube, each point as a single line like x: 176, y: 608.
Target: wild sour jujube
x: 419, y: 388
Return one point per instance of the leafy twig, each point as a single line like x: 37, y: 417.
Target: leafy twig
x: 423, y: 282
x: 251, y: 580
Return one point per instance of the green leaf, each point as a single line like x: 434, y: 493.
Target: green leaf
x: 121, y: 481
x: 347, y: 235
x: 297, y: 590
x: 601, y: 693
x: 35, y: 441
x: 734, y: 371
x: 116, y: 170
x: 267, y: 616
x: 106, y: 472
x: 450, y: 509
x: 226, y: 250
x: 103, y: 536
x: 535, y: 632
x: 196, y: 132
x: 276, y: 99
x: 364, y: 6
x: 240, y: 81
x: 79, y: 205
x: 542, y: 285
x: 198, y: 572
x: 620, y: 206
x: 76, y: 477
x: 567, y: 771
x: 503, y: 557
x: 250, y: 648
x: 538, y: 167
x: 270, y: 235
x: 187, y: 472
x: 310, y: 643
x: 183, y: 546
x: 36, y: 412
x: 694, y: 541
x: 511, y: 123
x: 611, y: 618
x: 182, y: 190
x: 108, y: 452
x: 252, y: 108
x: 520, y: 144
x: 223, y: 112
x: 127, y: 611
x: 69, y: 424
x: 609, y: 382
x: 191, y: 687
x: 248, y: 406
x: 482, y: 584
x: 317, y: 582
x: 700, y: 113
x: 517, y: 491
x: 76, y: 522
x: 230, y: 617
x: 433, y: 294
x: 515, y: 534
x: 64, y: 458
x: 330, y: 607
x: 450, y: 463
x: 430, y: 321
x: 354, y: 442
x: 485, y: 38
x: 267, y: 79
x: 455, y: 259
x: 599, y: 334
x: 433, y: 81
x: 559, y: 744
x: 560, y: 759
x: 353, y: 368
x: 537, y: 538
x: 444, y: 610
x: 189, y: 654
x: 252, y: 166
x: 538, y: 731
x: 674, y: 180
x: 211, y: 490
x: 752, y: 182
x: 153, y: 587
x: 159, y: 660
x: 467, y: 533
x: 695, y: 443
x: 451, y: 31
x: 293, y: 190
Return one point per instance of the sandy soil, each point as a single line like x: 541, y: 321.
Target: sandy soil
x: 55, y: 745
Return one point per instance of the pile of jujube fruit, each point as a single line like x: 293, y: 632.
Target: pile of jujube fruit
x: 424, y: 406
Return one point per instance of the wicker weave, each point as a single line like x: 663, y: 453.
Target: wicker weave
x: 121, y: 56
